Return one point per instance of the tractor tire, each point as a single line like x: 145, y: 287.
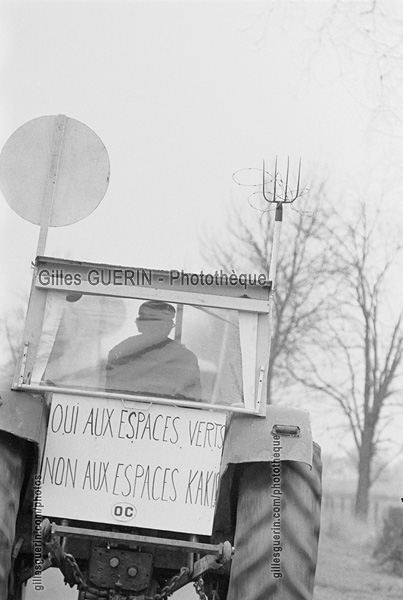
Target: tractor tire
x: 12, y: 470
x: 276, y: 544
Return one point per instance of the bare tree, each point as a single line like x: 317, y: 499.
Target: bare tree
x: 11, y: 326
x: 362, y: 41
x: 335, y: 330
x: 357, y: 359
x: 303, y: 277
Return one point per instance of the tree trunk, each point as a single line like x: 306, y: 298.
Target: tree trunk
x: 364, y: 477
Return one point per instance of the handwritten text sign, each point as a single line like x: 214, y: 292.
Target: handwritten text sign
x: 132, y: 464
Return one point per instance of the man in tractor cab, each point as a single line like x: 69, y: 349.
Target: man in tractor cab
x: 152, y: 362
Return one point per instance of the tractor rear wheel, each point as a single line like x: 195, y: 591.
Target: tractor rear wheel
x: 277, y: 531
x: 12, y: 469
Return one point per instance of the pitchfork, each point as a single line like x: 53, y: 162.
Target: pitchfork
x: 284, y: 195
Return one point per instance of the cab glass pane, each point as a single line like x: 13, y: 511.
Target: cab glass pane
x: 140, y: 347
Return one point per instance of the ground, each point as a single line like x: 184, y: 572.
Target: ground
x: 346, y: 568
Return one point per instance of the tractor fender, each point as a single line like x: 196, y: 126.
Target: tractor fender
x: 23, y: 415
x: 251, y: 439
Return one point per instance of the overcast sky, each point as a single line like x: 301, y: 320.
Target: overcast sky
x: 183, y: 94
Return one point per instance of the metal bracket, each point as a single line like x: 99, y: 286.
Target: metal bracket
x: 127, y: 569
x: 286, y: 431
x: 138, y: 540
x: 260, y: 388
x: 204, y: 564
x: 23, y: 365
x: 216, y: 555
x: 65, y: 562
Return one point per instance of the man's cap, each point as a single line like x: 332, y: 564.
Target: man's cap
x: 154, y: 310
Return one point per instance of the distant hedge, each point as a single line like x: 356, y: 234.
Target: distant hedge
x: 389, y: 545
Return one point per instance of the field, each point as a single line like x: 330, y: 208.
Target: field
x: 346, y: 569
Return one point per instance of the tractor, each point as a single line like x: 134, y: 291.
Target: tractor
x: 139, y: 453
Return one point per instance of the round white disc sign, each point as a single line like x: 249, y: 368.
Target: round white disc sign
x: 56, y: 157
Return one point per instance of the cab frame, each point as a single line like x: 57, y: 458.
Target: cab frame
x: 250, y: 298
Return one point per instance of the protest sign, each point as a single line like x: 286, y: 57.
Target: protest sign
x: 130, y: 463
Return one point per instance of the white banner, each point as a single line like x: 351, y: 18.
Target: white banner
x: 130, y: 463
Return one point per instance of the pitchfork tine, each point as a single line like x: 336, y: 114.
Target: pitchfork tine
x: 299, y: 178
x: 286, y: 179
x: 264, y: 183
x: 275, y: 181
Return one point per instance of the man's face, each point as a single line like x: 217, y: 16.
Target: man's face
x: 154, y: 328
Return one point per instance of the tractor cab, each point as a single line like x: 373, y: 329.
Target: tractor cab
x: 177, y: 339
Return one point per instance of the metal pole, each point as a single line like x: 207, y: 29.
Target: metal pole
x: 276, y: 244
x: 50, y: 187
